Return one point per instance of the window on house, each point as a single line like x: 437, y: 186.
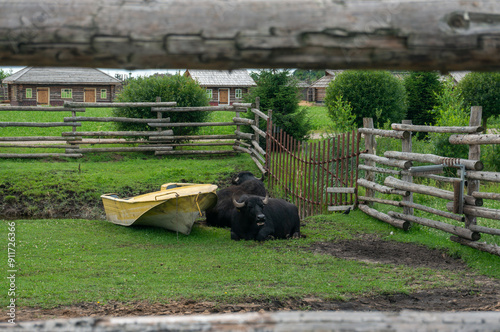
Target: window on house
x: 29, y: 93
x: 66, y: 93
x: 104, y: 94
x: 210, y: 93
x: 238, y: 93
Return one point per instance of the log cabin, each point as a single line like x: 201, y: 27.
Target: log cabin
x: 33, y: 86
x: 224, y: 87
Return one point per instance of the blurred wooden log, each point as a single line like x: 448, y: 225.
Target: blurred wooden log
x: 405, y: 34
x: 385, y: 133
x: 386, y: 161
x: 40, y: 124
x: 404, y: 225
x: 483, y: 176
x: 427, y: 190
x: 114, y: 119
x: 476, y: 165
x: 491, y: 248
x: 479, y: 194
x: 382, y: 189
x: 477, y: 211
x: 436, y: 129
x: 475, y: 139
x: 40, y: 109
x: 460, y: 231
x: 74, y: 104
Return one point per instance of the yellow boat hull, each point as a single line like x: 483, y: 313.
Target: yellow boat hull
x: 175, y: 207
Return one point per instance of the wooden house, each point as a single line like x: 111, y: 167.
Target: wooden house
x: 224, y: 87
x: 32, y: 86
x: 317, y: 90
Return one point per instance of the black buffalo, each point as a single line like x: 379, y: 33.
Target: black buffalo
x: 244, y: 176
x: 220, y: 214
x: 263, y: 218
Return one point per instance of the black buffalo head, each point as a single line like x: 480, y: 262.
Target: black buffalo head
x: 245, y: 176
x: 252, y: 207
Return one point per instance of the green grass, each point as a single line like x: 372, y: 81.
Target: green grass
x: 320, y: 121
x: 62, y: 262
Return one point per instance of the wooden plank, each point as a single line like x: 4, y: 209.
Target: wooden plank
x: 40, y: 155
x: 40, y: 109
x: 407, y: 34
x: 229, y: 108
x: 191, y: 124
x: 114, y: 119
x: 120, y: 149
x: 40, y: 124
x: 244, y: 121
x: 484, y: 195
x: 483, y: 176
x: 194, y: 152
x: 475, y: 211
x: 339, y: 208
x: 381, y: 188
x: 379, y: 169
x: 118, y: 133
x: 74, y: 104
x: 260, y: 114
x: 340, y: 190
x: 404, y: 164
x: 476, y: 114
x: 39, y: 139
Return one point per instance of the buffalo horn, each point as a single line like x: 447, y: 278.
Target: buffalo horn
x: 265, y: 200
x: 237, y: 204
x: 236, y: 180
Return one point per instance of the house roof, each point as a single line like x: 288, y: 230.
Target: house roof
x: 221, y: 78
x: 60, y: 75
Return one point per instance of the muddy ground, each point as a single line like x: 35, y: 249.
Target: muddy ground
x: 483, y: 295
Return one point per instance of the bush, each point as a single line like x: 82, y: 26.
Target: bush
x: 372, y: 94
x: 422, y: 89
x: 340, y: 112
x: 482, y: 89
x: 278, y: 91
x: 183, y: 90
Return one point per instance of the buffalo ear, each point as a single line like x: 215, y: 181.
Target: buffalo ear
x: 237, y: 204
x: 265, y: 200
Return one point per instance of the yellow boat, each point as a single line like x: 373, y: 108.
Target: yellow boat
x: 175, y: 207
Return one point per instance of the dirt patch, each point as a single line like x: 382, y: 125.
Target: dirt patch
x: 481, y: 296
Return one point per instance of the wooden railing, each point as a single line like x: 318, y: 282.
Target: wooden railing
x: 464, y: 206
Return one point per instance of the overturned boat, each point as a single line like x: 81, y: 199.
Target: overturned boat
x: 175, y: 207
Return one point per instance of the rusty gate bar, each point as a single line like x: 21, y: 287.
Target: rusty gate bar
x: 301, y: 172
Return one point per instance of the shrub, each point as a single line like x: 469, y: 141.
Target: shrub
x: 340, y: 112
x: 181, y: 89
x: 482, y: 89
x: 450, y: 111
x: 278, y: 91
x: 373, y: 94
x: 422, y: 89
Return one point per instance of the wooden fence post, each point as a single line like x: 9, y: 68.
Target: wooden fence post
x: 476, y: 113
x: 406, y: 147
x: 268, y: 141
x: 371, y: 147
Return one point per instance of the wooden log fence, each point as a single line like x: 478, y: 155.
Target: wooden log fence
x: 400, y: 177
x: 163, y: 141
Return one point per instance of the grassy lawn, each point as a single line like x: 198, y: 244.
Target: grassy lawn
x: 71, y: 261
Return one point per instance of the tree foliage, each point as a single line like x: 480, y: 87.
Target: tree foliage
x: 277, y: 90
x: 340, y: 112
x: 374, y: 94
x: 482, y: 89
x: 3, y: 74
x: 181, y: 89
x: 308, y: 75
x: 422, y: 89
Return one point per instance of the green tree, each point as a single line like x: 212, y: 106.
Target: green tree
x: 277, y: 90
x: 340, y: 112
x: 372, y: 94
x: 482, y: 89
x: 449, y: 111
x: 181, y: 89
x: 3, y: 74
x: 422, y: 89
x: 308, y: 75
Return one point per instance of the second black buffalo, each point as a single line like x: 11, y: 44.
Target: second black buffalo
x: 263, y: 218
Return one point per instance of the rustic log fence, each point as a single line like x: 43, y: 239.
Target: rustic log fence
x: 163, y: 141
x: 463, y: 207
x: 315, y: 176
